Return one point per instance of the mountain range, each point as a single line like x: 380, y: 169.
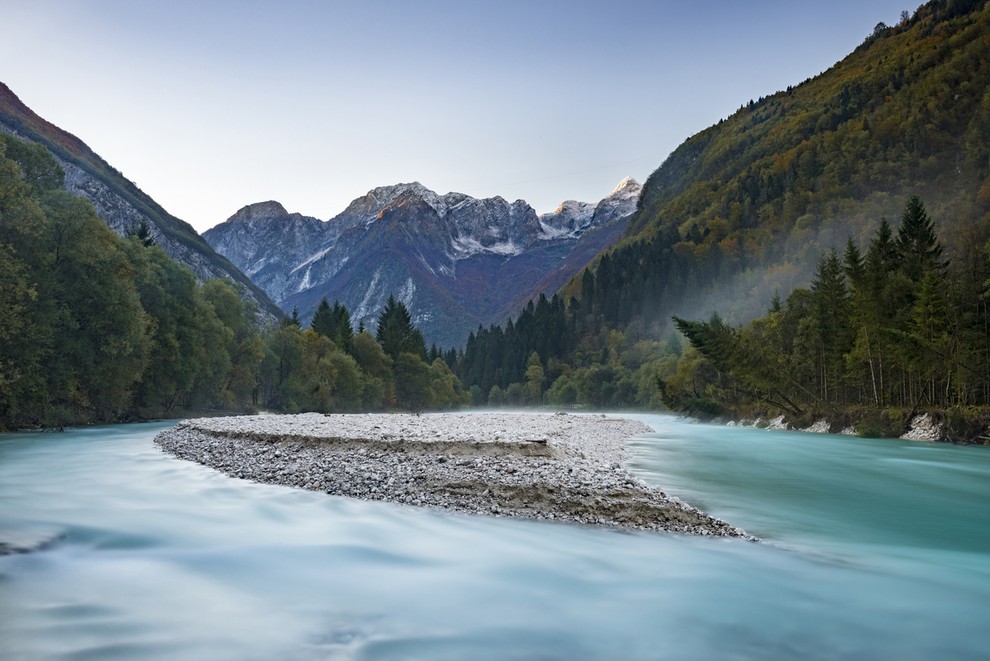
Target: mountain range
x: 456, y: 261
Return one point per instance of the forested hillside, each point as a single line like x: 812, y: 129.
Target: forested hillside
x: 746, y: 206
x: 744, y: 210
x: 95, y: 327
x: 121, y: 204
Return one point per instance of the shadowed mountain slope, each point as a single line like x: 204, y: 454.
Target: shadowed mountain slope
x: 119, y: 202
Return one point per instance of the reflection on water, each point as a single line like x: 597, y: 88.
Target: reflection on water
x: 876, y: 550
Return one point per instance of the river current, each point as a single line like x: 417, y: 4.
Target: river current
x: 872, y: 550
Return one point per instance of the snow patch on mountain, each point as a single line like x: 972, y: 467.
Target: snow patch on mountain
x: 304, y: 285
x: 364, y: 308
x: 407, y: 292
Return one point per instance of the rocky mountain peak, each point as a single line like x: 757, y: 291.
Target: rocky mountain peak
x: 259, y: 211
x: 573, y: 218
x: 621, y: 202
x: 570, y: 213
x: 385, y: 196
x: 627, y: 183
x: 370, y: 205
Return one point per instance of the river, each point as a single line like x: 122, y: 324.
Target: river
x: 872, y: 550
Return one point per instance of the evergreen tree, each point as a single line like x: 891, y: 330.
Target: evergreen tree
x: 776, y: 305
x: 832, y: 308
x: 322, y: 322
x: 340, y: 326
x: 396, y: 333
x: 932, y: 358
x: 853, y: 264
x: 142, y: 234
x: 918, y: 248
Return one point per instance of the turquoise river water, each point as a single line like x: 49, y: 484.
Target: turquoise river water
x: 872, y: 550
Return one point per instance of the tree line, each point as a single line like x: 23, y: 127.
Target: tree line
x: 95, y: 327
x: 565, y: 354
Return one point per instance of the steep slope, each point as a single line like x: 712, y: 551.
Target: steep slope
x: 454, y: 260
x: 746, y: 206
x: 119, y: 202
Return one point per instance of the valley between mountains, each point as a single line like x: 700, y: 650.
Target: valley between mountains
x: 835, y: 234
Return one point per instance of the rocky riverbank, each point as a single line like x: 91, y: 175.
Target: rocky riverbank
x: 538, y: 466
x: 941, y: 426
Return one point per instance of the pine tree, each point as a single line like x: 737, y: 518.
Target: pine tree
x: 917, y: 245
x: 396, y: 332
x: 340, y: 326
x: 832, y: 311
x: 930, y: 328
x: 854, y: 266
x: 776, y: 305
x: 142, y: 233
x: 322, y: 322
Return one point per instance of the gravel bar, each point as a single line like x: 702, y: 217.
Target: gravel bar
x: 538, y: 466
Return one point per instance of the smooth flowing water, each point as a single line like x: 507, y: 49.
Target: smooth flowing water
x: 874, y: 550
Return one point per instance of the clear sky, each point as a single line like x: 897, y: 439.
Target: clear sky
x: 209, y: 106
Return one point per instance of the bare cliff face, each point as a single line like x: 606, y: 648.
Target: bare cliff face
x: 454, y: 260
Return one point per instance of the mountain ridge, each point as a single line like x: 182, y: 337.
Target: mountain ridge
x: 456, y: 261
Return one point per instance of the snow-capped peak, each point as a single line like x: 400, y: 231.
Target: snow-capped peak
x: 625, y: 183
x: 571, y: 218
x: 382, y: 197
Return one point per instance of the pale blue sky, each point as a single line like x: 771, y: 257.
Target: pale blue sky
x: 209, y: 106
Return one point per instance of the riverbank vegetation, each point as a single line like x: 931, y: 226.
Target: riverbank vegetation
x: 95, y: 327
x: 879, y: 335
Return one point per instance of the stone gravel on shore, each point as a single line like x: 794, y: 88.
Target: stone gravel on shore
x: 538, y: 466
